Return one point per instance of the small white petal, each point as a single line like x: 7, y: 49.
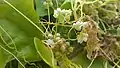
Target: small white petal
x: 58, y: 34
x: 79, y: 38
x: 50, y: 36
x: 85, y: 39
x: 78, y: 27
x: 82, y: 37
x: 84, y: 24
x: 74, y: 24
x: 58, y: 10
x: 77, y: 23
x: 57, y: 38
x: 63, y: 11
x: 44, y: 3
x: 50, y: 42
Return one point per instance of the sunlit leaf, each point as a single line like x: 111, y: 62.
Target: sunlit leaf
x: 17, y: 31
x: 66, y: 4
x: 45, y: 52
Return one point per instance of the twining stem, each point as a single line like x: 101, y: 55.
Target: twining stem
x: 69, y: 32
x: 12, y: 55
x: 81, y: 10
x: 73, y: 6
x: 57, y: 2
x: 56, y: 24
x: 109, y: 57
x: 92, y: 61
x: 75, y: 15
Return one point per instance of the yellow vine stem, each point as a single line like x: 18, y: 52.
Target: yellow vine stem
x: 69, y: 32
x: 48, y: 27
x: 12, y: 55
x: 8, y: 36
x: 24, y: 16
x: 109, y: 58
x: 10, y: 47
x: 117, y: 59
x: 92, y: 61
x: 29, y: 62
x: 106, y: 64
x: 51, y: 23
x: 116, y: 63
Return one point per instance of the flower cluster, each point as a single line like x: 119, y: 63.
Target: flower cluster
x: 51, y: 40
x: 64, y: 12
x: 58, y: 44
x: 47, y: 3
x: 79, y: 26
x: 82, y: 37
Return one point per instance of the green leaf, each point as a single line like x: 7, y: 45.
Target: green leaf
x: 17, y: 31
x: 45, y: 52
x: 2, y: 59
x: 66, y: 4
x: 41, y: 10
x: 82, y: 60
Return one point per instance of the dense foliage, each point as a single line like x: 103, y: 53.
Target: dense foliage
x: 59, y: 34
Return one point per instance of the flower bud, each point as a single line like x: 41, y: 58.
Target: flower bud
x: 57, y: 38
x: 67, y: 43
x: 57, y: 35
x: 45, y: 4
x: 70, y: 49
x: 51, y: 4
x: 62, y: 48
x: 50, y: 42
x: 57, y: 54
x: 60, y: 42
x: 50, y: 36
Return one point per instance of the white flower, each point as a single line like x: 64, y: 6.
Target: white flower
x: 85, y: 24
x: 45, y: 3
x: 49, y: 42
x: 67, y: 12
x: 56, y: 12
x: 50, y: 36
x: 78, y: 25
x: 64, y: 12
x: 58, y: 34
x: 82, y: 37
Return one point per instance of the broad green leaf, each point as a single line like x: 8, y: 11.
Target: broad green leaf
x: 2, y: 59
x: 41, y: 10
x: 66, y: 4
x: 82, y: 60
x: 17, y: 31
x: 45, y: 52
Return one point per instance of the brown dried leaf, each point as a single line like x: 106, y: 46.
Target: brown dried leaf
x: 93, y: 41
x: 111, y: 47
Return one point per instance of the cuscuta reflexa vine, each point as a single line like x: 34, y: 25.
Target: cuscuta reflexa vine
x: 56, y: 24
